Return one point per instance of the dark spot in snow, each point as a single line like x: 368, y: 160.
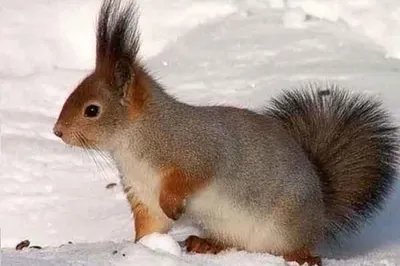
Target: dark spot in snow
x: 115, y: 252
x: 36, y: 247
x: 23, y: 244
x: 111, y: 185
x: 309, y: 17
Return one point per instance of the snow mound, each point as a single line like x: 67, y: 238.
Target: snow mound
x: 378, y: 20
x: 161, y: 242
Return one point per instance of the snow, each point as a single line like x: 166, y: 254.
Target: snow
x: 376, y: 19
x: 161, y: 242
x: 238, y: 52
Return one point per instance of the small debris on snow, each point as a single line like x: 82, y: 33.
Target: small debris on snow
x: 36, y: 247
x: 111, y: 185
x: 161, y: 242
x: 69, y: 243
x: 23, y: 244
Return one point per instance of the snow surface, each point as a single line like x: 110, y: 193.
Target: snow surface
x: 238, y: 52
x: 377, y: 19
x: 161, y: 242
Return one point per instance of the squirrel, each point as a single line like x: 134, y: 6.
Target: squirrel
x: 315, y: 163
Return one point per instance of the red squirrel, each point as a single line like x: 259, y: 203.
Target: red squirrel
x: 315, y: 163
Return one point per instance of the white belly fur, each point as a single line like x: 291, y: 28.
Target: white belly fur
x: 234, y: 225
x: 143, y: 180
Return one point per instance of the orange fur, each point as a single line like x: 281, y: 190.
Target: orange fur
x: 144, y: 222
x: 203, y: 246
x: 176, y: 186
x: 302, y: 257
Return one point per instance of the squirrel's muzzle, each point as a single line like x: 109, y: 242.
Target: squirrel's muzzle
x: 57, y: 130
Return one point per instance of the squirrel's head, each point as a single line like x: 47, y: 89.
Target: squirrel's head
x: 116, y: 93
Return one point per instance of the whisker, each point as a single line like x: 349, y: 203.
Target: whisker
x: 104, y: 161
x: 92, y: 156
x: 87, y: 151
x: 106, y: 157
x: 98, y: 156
x: 99, y: 165
x: 84, y: 148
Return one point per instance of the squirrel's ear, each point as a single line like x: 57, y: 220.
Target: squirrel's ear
x: 123, y: 79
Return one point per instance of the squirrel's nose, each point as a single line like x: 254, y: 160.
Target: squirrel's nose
x: 57, y: 132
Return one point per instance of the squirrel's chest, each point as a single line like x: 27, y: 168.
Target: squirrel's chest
x: 139, y: 178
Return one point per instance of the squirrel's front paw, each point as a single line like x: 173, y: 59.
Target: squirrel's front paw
x: 172, y: 207
x: 176, y: 213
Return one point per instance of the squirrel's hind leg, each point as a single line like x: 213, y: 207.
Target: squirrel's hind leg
x: 200, y: 245
x: 197, y: 244
x: 302, y: 257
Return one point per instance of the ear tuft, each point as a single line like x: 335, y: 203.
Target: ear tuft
x: 117, y: 41
x: 123, y: 74
x: 123, y: 80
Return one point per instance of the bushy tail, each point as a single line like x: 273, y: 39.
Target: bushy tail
x: 352, y: 143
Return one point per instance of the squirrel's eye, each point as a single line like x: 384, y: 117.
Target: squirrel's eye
x: 92, y: 110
